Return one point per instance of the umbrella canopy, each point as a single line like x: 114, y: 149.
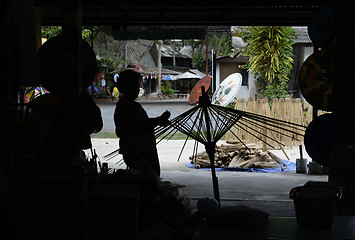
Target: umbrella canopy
x: 207, y: 123
x: 197, y: 72
x: 318, y: 138
x: 227, y: 90
x: 196, y: 91
x: 169, y: 78
x: 315, y: 80
x: 187, y: 75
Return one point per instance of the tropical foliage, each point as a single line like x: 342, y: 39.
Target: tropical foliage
x: 50, y: 31
x: 87, y: 33
x: 166, y: 89
x: 270, y: 57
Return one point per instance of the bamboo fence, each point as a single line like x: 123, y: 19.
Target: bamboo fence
x: 287, y: 109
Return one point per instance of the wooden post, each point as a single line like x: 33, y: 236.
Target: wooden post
x: 173, y: 47
x: 71, y: 21
x: 207, y: 28
x: 69, y: 93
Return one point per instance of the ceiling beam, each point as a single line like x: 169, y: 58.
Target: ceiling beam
x: 139, y: 13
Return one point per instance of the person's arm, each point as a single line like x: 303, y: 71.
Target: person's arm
x: 162, y: 120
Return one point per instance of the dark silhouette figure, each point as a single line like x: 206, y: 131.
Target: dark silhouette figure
x: 135, y: 129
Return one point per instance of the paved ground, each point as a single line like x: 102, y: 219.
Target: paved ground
x: 153, y: 108
x: 266, y: 191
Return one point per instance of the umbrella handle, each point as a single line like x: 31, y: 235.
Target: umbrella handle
x: 204, y: 101
x: 210, y: 152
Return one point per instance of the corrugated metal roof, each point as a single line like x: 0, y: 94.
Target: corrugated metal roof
x: 132, y: 51
x: 167, y: 51
x: 138, y: 68
x: 187, y: 50
x: 302, y: 35
x: 138, y: 49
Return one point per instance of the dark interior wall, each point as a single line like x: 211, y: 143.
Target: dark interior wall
x: 181, y: 62
x: 20, y: 59
x: 343, y: 149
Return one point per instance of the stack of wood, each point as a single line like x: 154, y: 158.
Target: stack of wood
x: 236, y: 154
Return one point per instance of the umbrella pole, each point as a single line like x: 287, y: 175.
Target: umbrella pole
x: 210, y: 146
x: 210, y: 151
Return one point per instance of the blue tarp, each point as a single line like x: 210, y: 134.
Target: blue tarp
x: 290, y: 167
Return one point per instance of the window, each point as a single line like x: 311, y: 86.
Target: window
x: 245, y: 79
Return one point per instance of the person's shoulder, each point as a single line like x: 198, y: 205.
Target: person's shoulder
x: 123, y: 103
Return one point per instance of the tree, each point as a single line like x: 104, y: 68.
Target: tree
x: 221, y: 43
x: 270, y: 57
x: 87, y: 33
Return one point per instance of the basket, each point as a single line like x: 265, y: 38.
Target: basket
x: 315, y: 204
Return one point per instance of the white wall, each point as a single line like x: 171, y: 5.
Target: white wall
x: 218, y: 81
x: 307, y: 52
x: 248, y: 91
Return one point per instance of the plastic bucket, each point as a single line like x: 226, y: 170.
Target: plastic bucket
x: 315, y: 204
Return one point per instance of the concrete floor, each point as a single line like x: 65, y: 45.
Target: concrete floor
x: 153, y: 109
x: 264, y: 191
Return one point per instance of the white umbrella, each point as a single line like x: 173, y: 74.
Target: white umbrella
x: 227, y: 90
x: 188, y: 75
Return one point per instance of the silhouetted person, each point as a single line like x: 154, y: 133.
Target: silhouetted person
x: 135, y: 129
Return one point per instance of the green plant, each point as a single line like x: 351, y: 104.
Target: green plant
x: 275, y: 89
x: 199, y: 61
x: 166, y: 89
x: 270, y: 57
x: 50, y: 31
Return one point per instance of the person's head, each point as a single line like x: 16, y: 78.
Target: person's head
x: 128, y: 83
